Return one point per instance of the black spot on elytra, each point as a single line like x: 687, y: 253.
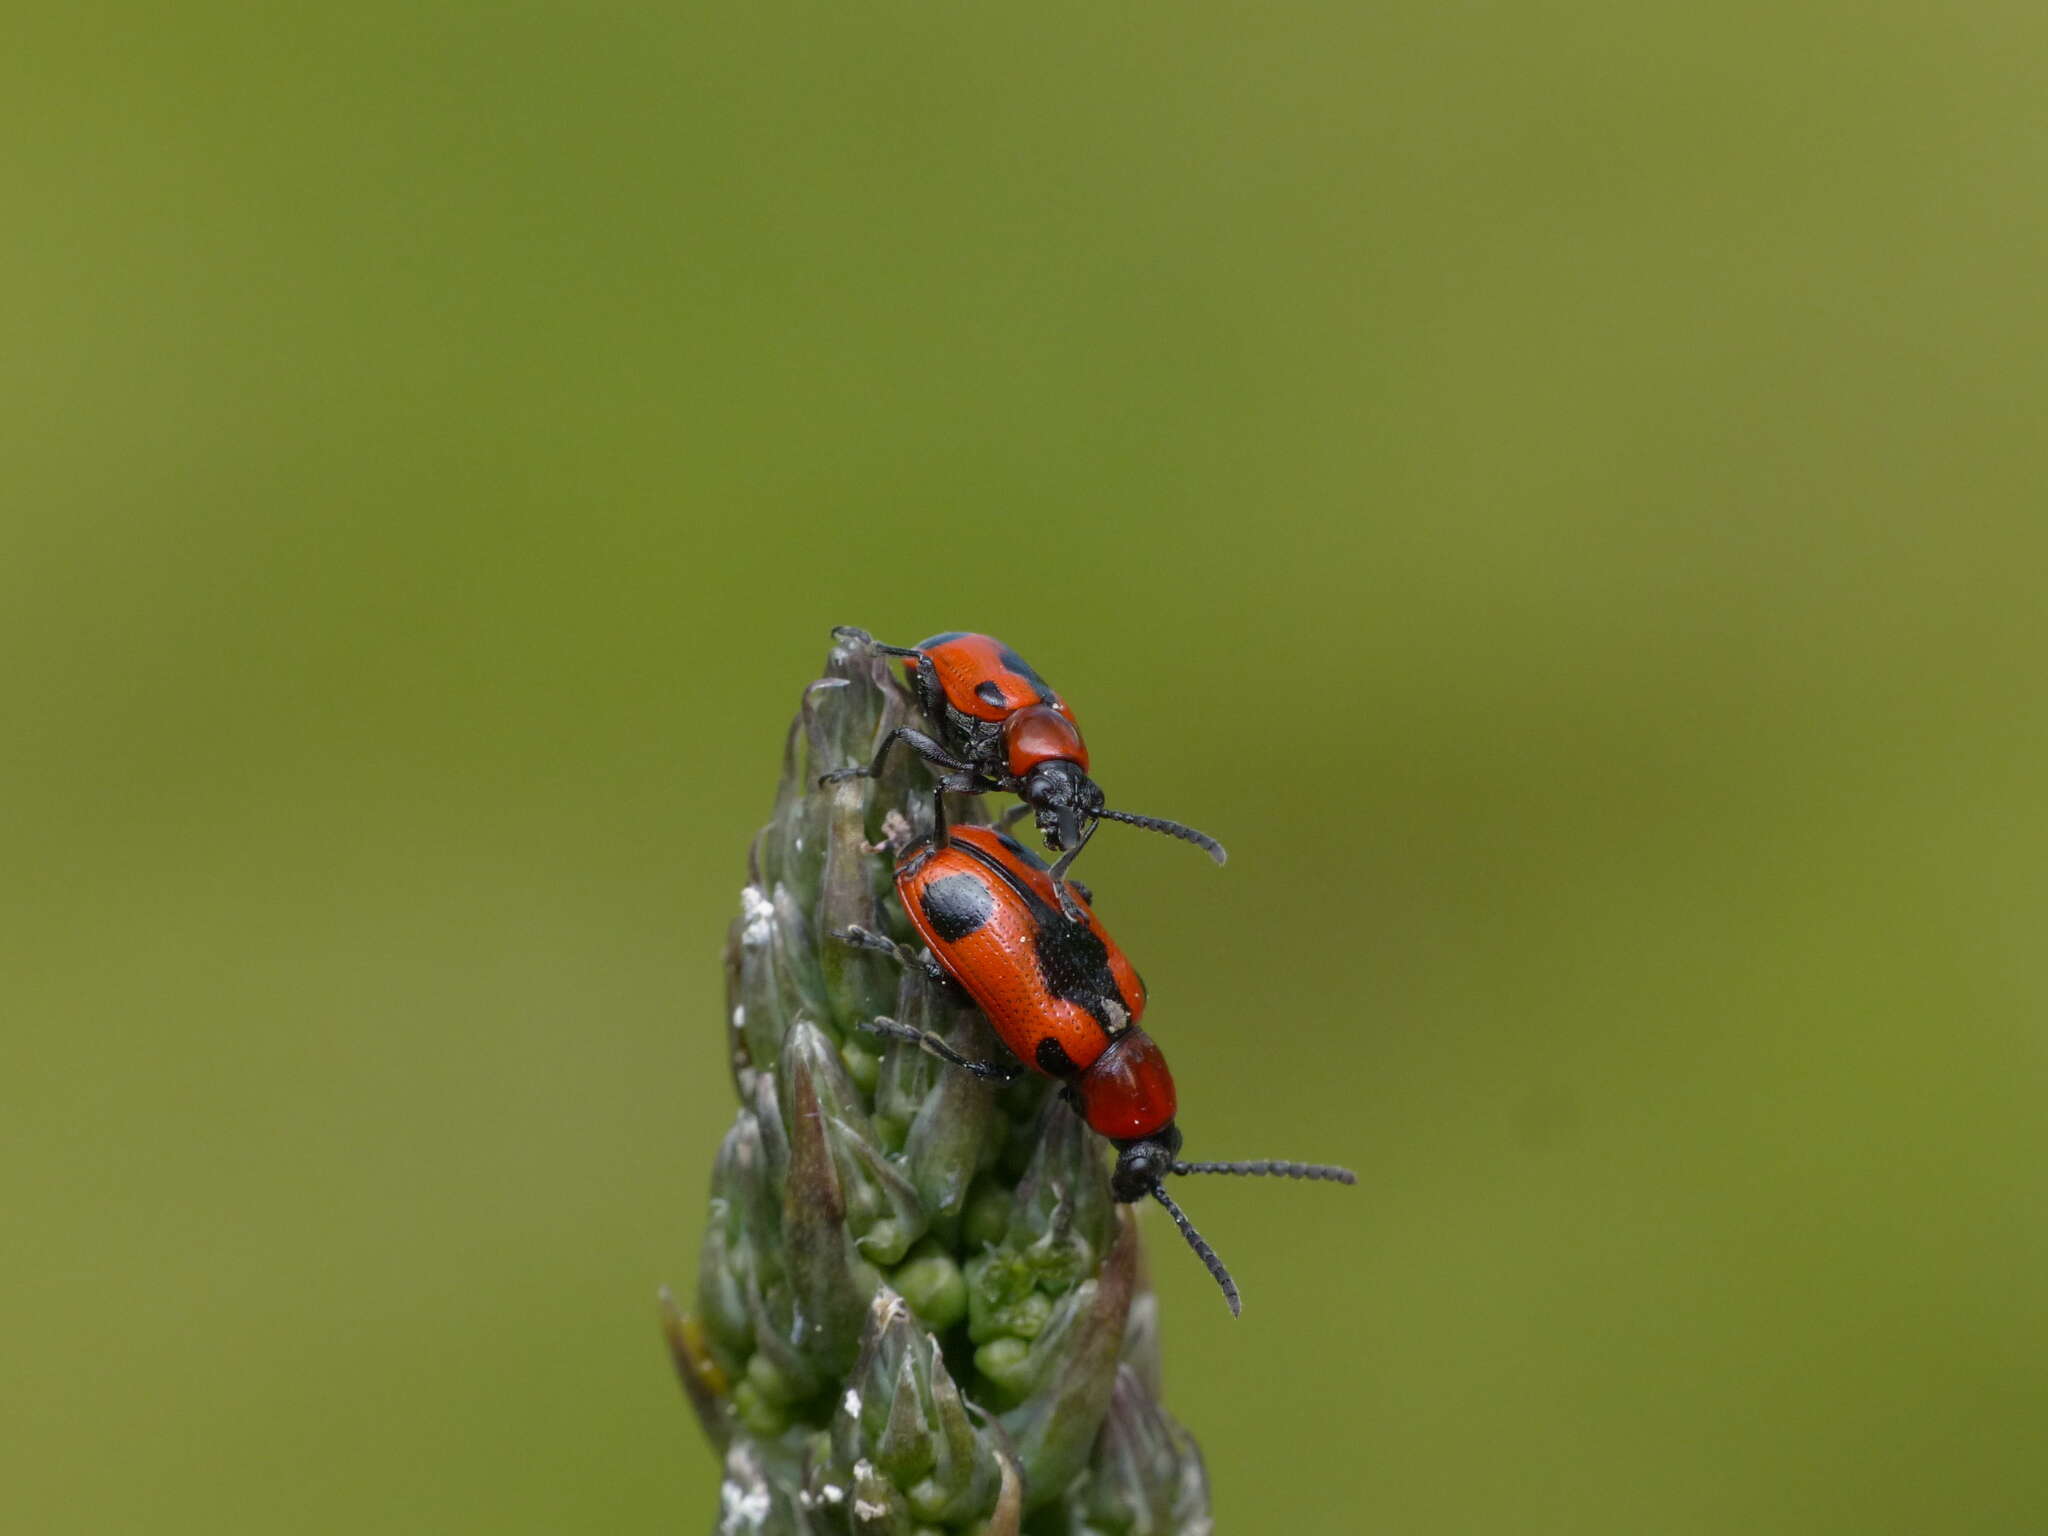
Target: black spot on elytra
x: 1025, y: 670
x: 956, y: 905
x: 1072, y: 960
x: 1074, y: 965
x: 990, y: 693
x: 1053, y: 1059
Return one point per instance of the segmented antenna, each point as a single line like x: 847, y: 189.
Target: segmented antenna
x: 1202, y: 1250
x: 1273, y: 1170
x: 1201, y: 840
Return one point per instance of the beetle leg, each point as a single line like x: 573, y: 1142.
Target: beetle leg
x: 929, y: 694
x: 1017, y: 813
x: 1059, y: 875
x: 916, y: 740
x: 965, y: 782
x: 925, y: 1040
x: 862, y: 938
x: 907, y: 652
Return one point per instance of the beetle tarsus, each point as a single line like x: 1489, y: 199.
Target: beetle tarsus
x: 931, y: 1044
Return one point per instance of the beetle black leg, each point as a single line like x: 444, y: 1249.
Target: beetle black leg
x: 907, y: 652
x: 926, y: 686
x: 925, y: 1040
x: 963, y: 783
x: 916, y: 740
x: 1059, y: 874
x: 1012, y: 816
x: 929, y: 694
x: 862, y: 938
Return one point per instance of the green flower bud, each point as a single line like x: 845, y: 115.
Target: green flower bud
x: 931, y: 1282
x: 1146, y: 1477
x: 904, y: 1442
x: 1003, y: 1298
x: 986, y: 1221
x: 1067, y: 1378
x: 1005, y: 1366
x: 829, y: 1285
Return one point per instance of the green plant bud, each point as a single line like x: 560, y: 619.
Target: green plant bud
x: 1003, y: 1298
x: 1005, y: 1366
x: 887, y: 1231
x: 738, y: 1217
x: 855, y: 1157
x: 903, y: 1424
x: 758, y: 1413
x: 1071, y: 1371
x: 957, y: 1129
x: 1063, y: 1218
x: 986, y: 1220
x: 755, y: 1496
x: 931, y: 1282
x: 907, y: 1080
x: 1007, y: 1519
x: 865, y: 1068
x: 774, y: 1384
x: 769, y: 1119
x: 880, y: 1508
x: 1146, y: 1477
x: 1141, y: 1351
x: 859, y: 982
x: 776, y: 1361
x: 829, y: 1285
x: 881, y: 1208
x: 796, y: 952
x: 906, y: 1450
x: 762, y: 993
x: 705, y: 1382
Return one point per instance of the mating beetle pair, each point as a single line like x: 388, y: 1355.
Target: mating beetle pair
x: 1003, y: 927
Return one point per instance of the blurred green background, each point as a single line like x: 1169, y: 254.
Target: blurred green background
x: 1559, y: 488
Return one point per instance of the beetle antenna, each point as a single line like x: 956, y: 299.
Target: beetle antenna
x: 1273, y: 1170
x: 1201, y: 840
x: 1202, y: 1250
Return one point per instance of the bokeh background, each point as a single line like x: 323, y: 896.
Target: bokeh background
x: 1558, y: 487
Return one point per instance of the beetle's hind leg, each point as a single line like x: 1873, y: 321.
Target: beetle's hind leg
x: 862, y: 938
x: 925, y: 1040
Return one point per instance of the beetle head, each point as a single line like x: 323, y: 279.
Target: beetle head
x: 1142, y: 1164
x: 1066, y: 799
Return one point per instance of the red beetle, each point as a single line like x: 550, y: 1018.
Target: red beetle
x: 1062, y: 997
x: 1004, y: 729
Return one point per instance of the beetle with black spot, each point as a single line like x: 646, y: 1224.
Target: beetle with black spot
x: 1062, y: 996
x: 1002, y: 728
